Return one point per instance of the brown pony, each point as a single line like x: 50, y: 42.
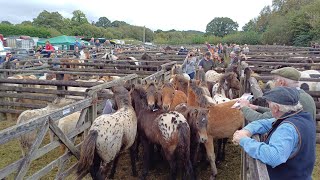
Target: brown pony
x: 169, y: 130
x: 153, y: 96
x: 197, y: 119
x: 180, y: 83
x: 230, y: 84
x: 170, y: 97
x: 222, y: 123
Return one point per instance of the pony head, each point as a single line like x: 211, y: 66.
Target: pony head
x: 197, y: 119
x: 152, y: 96
x: 167, y: 95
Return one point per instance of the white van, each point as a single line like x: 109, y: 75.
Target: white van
x: 2, y: 50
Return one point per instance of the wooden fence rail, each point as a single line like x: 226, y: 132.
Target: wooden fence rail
x: 88, y: 108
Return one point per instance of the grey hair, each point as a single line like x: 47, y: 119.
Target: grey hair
x: 289, y: 82
x: 286, y: 108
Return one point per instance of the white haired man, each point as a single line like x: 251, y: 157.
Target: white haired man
x: 287, y: 77
x: 289, y: 147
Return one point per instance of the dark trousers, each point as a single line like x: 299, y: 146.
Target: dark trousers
x: 191, y: 75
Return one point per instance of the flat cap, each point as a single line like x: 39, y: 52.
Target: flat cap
x: 288, y: 72
x: 283, y: 95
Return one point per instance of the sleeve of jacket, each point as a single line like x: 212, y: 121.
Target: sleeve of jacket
x: 252, y: 115
x: 263, y: 109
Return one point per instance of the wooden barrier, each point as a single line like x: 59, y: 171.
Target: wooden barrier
x: 88, y: 108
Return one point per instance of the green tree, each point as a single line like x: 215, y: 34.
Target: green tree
x: 26, y: 23
x: 49, y: 20
x: 103, y: 22
x: 221, y: 26
x: 118, y: 23
x: 79, y: 18
x: 250, y: 26
x: 6, y: 22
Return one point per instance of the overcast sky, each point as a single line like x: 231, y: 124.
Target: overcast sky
x: 160, y: 14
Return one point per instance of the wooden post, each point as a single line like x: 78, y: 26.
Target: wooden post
x: 60, y: 77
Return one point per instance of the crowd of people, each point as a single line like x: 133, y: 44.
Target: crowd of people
x: 214, y: 58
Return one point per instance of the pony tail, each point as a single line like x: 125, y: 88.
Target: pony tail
x: 87, y: 153
x: 183, y: 148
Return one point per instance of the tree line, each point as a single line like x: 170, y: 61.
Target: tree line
x: 289, y: 22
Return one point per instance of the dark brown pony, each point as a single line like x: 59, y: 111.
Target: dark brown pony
x: 169, y: 130
x: 222, y: 123
x: 153, y: 96
x: 197, y: 119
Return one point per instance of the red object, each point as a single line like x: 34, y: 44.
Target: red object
x: 49, y: 47
x: 1, y: 37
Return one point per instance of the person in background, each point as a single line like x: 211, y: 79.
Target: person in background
x: 245, y: 49
x: 289, y: 149
x: 233, y: 58
x: 83, y: 46
x: 94, y: 52
x: 91, y: 41
x: 219, y: 61
x: 208, y: 46
x: 97, y: 43
x: 9, y: 61
x: 77, y: 44
x: 48, y: 50
x: 206, y: 63
x: 76, y: 52
x: 189, y: 65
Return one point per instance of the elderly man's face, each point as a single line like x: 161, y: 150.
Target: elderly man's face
x: 278, y: 81
x: 274, y: 110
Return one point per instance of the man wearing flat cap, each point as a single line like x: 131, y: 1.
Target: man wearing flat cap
x: 286, y: 77
x: 289, y: 147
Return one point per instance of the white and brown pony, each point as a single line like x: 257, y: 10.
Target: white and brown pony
x: 108, y: 136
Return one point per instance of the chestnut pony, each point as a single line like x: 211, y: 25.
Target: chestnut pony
x: 223, y: 121
x: 169, y: 130
x: 170, y: 97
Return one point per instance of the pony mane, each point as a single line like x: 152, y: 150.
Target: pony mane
x: 226, y: 77
x: 141, y: 91
x: 168, y: 85
x: 202, y: 96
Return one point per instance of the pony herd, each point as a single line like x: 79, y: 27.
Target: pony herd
x: 174, y: 119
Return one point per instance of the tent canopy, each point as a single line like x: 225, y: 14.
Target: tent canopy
x: 62, y: 40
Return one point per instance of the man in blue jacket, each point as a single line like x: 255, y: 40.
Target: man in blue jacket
x: 289, y: 147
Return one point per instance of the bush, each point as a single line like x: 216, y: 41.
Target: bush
x: 10, y: 30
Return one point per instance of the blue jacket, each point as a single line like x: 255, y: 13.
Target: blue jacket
x: 290, y: 139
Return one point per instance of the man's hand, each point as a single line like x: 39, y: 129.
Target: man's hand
x: 243, y: 103
x: 239, y: 135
